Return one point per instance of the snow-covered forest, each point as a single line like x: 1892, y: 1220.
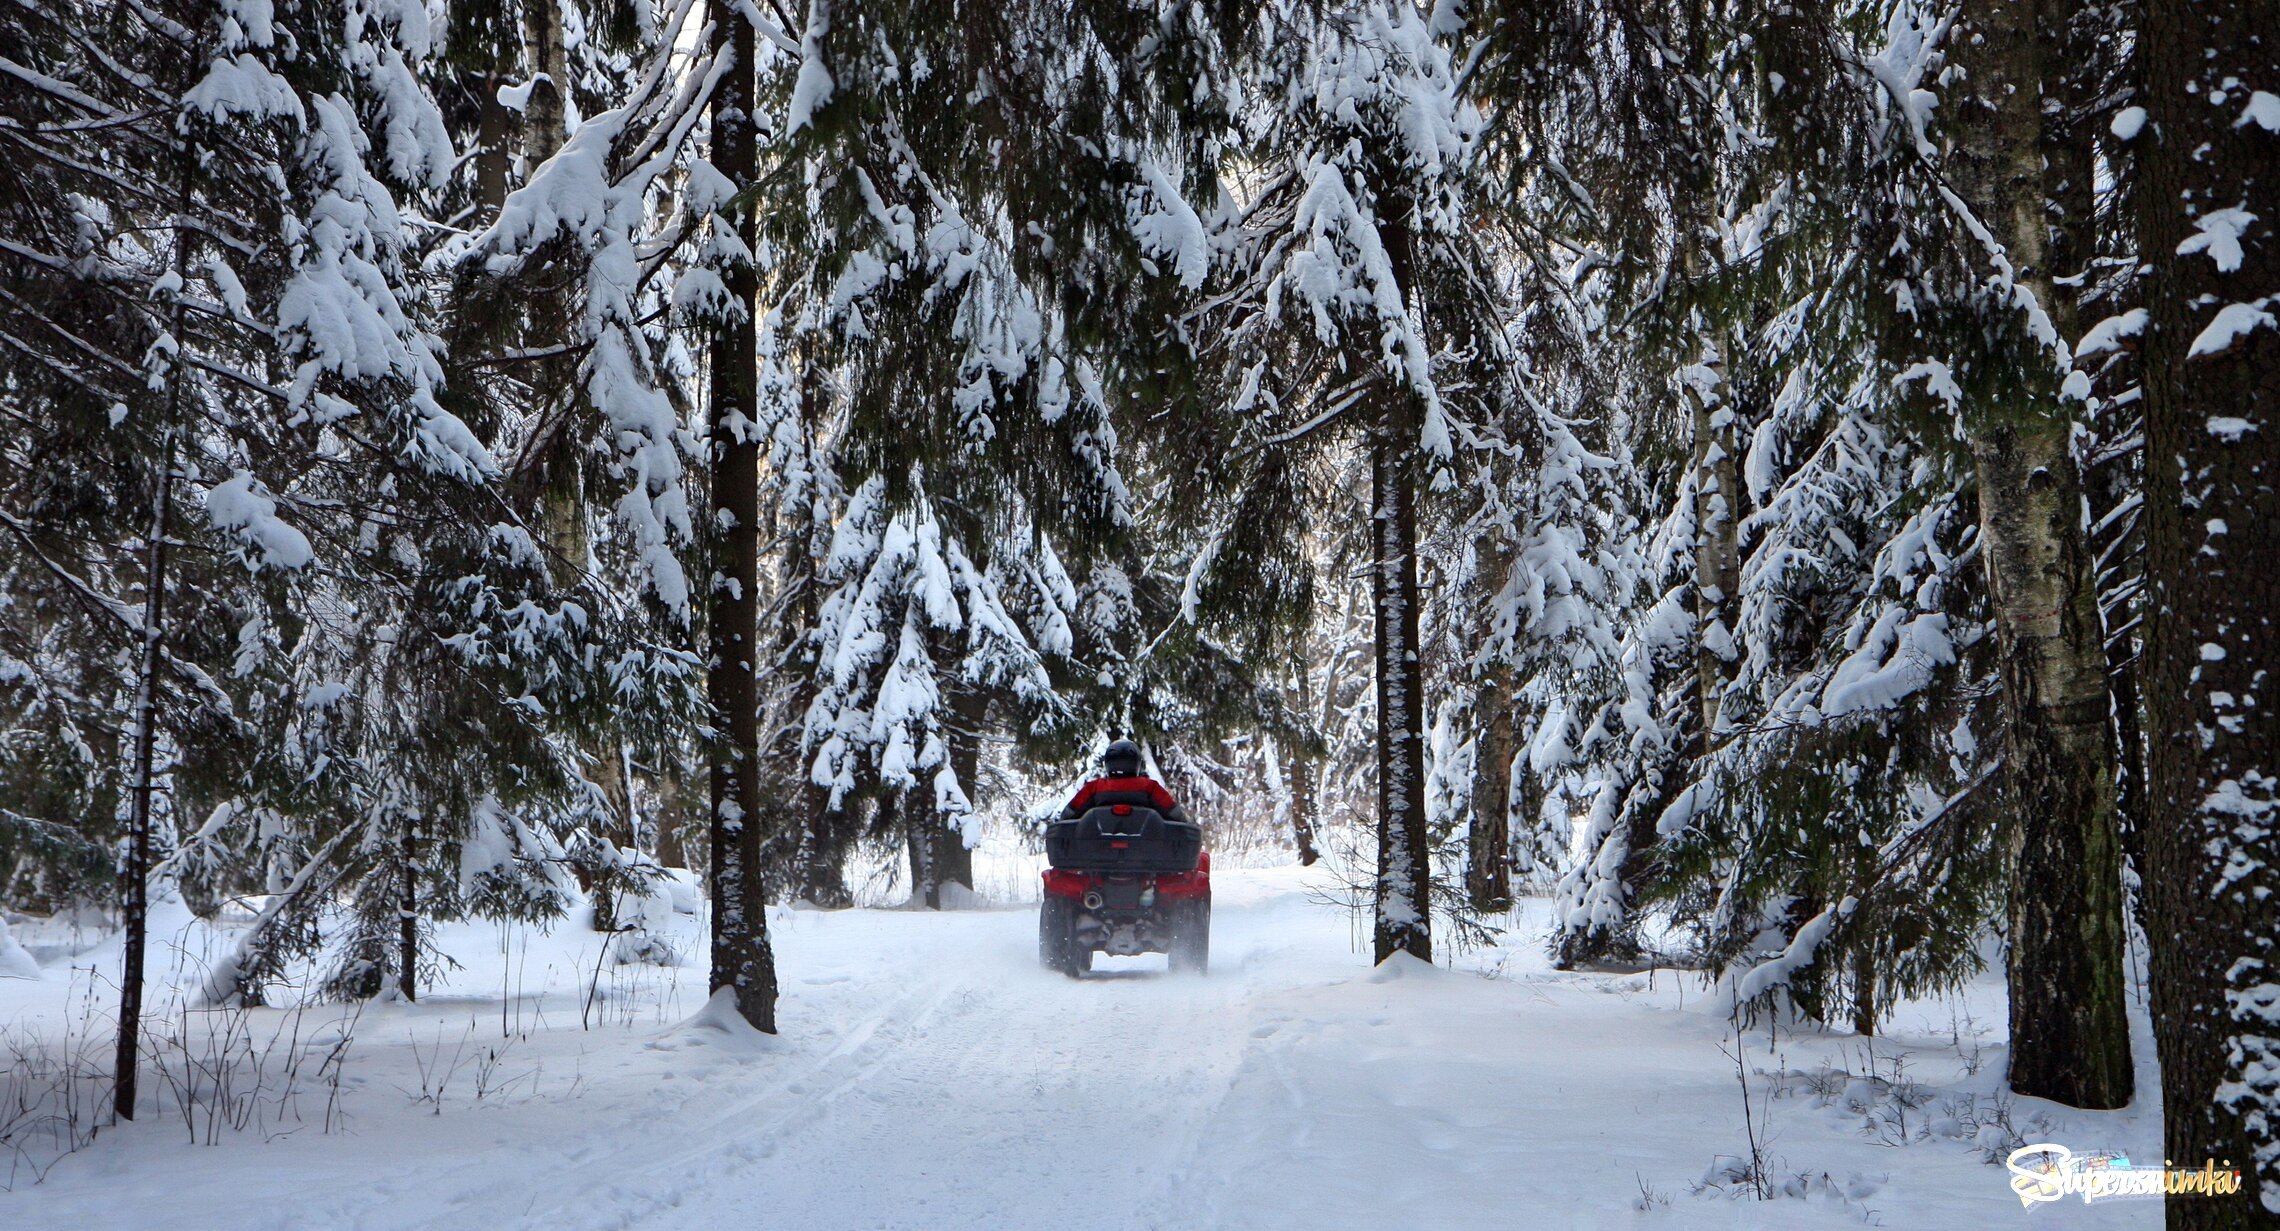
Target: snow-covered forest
x: 1688, y: 556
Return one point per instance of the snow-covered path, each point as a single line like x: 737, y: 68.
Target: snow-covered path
x: 930, y: 1076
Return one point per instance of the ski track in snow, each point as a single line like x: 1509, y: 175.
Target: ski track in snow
x: 929, y: 1075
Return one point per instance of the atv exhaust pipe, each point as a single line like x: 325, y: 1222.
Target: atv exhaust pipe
x: 1093, y: 900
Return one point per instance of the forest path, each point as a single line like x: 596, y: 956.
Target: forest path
x: 929, y: 1075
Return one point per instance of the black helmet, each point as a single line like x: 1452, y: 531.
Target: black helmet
x: 1122, y: 759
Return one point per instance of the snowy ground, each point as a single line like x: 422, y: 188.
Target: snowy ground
x: 929, y: 1075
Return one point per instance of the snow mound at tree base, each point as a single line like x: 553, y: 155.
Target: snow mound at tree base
x: 15, y: 962
x: 717, y: 1025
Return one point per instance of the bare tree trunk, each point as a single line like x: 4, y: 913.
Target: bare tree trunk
x: 135, y: 877
x: 1864, y: 992
x: 1403, y: 894
x: 135, y: 891
x: 494, y: 157
x: 741, y: 958
x: 939, y: 853
x: 2069, y: 1033
x: 1302, y: 790
x: 1301, y: 777
x: 408, y: 913
x: 1488, y: 867
x: 924, y: 889
x: 1717, y: 545
x: 2212, y: 414
x: 545, y: 125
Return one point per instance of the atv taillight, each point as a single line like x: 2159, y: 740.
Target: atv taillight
x: 1122, y: 809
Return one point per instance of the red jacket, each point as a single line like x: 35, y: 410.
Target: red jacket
x: 1156, y: 796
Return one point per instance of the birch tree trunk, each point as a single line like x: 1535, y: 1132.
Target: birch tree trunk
x: 545, y: 125
x: 2069, y: 1034
x: 1717, y: 546
x: 2208, y: 205
x: 741, y: 958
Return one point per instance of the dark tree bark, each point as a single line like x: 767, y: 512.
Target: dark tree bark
x: 2212, y: 411
x: 741, y: 958
x: 969, y: 710
x: 494, y: 159
x: 1488, y: 864
x: 2069, y: 1032
x: 135, y: 889
x: 408, y: 914
x: 939, y: 856
x: 1302, y: 789
x: 135, y: 876
x: 1403, y: 896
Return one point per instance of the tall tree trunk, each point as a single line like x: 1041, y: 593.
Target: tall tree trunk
x: 2069, y: 1033
x: 408, y: 912
x: 135, y: 891
x: 135, y: 876
x: 1301, y: 778
x: 1488, y: 865
x: 741, y: 958
x: 545, y: 125
x: 948, y: 860
x: 494, y: 155
x: 2212, y: 412
x: 1302, y: 791
x: 1717, y: 521
x: 1403, y: 894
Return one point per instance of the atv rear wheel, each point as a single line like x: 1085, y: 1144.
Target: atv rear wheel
x: 1056, y: 920
x: 1190, y: 952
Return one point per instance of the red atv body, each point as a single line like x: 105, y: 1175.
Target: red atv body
x: 1125, y: 880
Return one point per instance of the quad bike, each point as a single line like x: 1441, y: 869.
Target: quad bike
x: 1125, y: 879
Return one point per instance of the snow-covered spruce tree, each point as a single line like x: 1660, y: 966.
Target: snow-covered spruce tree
x: 942, y: 290
x: 434, y: 616
x: 567, y: 323
x: 1773, y: 484
x: 1617, y: 126
x: 1991, y: 334
x: 2208, y: 156
x: 97, y: 314
x: 1347, y: 271
x: 513, y: 80
x: 807, y: 843
x: 331, y: 509
x: 79, y: 469
x: 917, y: 640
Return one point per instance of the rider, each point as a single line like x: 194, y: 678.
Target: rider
x: 1124, y: 784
